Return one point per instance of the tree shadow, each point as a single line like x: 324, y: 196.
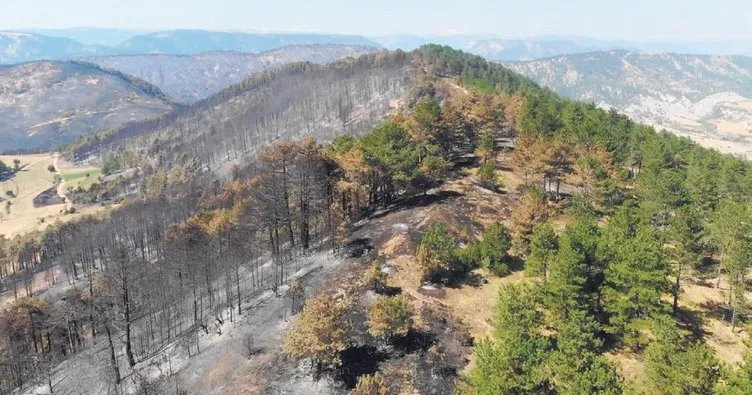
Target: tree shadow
x: 472, y: 279
x: 716, y: 310
x: 358, y: 360
x: 358, y: 247
x: 416, y: 202
x: 389, y: 291
x: 708, y: 268
x: 414, y: 341
x: 514, y: 263
x: 692, y: 321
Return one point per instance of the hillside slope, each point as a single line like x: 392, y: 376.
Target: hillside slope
x: 24, y: 47
x: 190, y: 78
x: 46, y: 103
x: 708, y: 98
x: 349, y: 96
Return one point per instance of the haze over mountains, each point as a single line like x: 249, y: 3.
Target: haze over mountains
x: 512, y: 49
x: 18, y: 47
x: 25, y: 47
x: 62, y: 44
x: 708, y: 98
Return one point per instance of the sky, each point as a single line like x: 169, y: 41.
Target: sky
x: 642, y: 20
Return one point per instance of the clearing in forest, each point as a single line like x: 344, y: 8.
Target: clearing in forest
x: 34, y: 197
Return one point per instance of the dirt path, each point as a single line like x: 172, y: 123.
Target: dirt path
x: 61, y: 185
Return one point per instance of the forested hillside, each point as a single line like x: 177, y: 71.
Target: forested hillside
x: 301, y: 99
x: 591, y: 230
x: 707, y: 98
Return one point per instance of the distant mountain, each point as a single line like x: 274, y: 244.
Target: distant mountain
x: 43, y: 104
x: 407, y: 42
x: 24, y: 47
x: 495, y: 48
x: 514, y: 50
x: 190, y: 78
x: 708, y: 98
x: 91, y: 35
x: 197, y: 41
x: 506, y: 49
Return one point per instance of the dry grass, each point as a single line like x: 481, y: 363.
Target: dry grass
x: 734, y: 128
x: 745, y: 105
x: 630, y: 367
x: 33, y: 179
x: 474, y: 306
x: 707, y: 304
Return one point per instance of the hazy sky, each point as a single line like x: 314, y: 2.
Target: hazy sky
x: 647, y: 20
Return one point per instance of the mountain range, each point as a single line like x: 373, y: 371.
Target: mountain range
x: 513, y: 49
x: 190, y: 78
x: 64, y: 44
x: 19, y: 47
x: 707, y: 98
x: 196, y: 41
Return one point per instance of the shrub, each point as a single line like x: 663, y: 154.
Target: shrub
x: 437, y: 254
x: 499, y: 268
x: 488, y: 177
x: 374, y: 384
x: 470, y: 257
x: 491, y: 252
x: 374, y: 278
x: 390, y: 317
x: 495, y: 244
x: 320, y: 333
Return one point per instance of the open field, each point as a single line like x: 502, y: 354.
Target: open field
x: 32, y: 180
x: 731, y: 138
x: 80, y: 177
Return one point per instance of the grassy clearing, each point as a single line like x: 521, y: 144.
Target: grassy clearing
x: 33, y: 179
x: 81, y: 177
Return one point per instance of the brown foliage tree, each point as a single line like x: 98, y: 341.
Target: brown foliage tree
x: 320, y: 332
